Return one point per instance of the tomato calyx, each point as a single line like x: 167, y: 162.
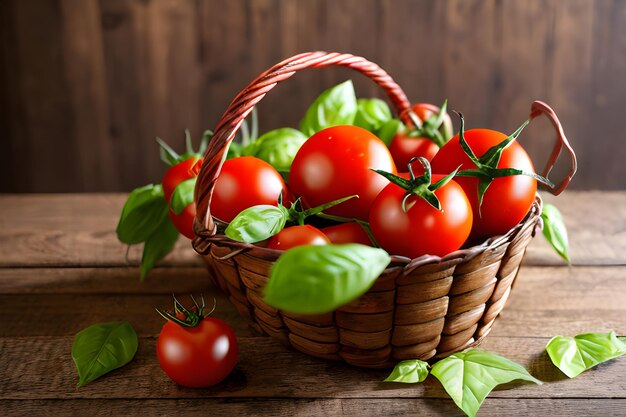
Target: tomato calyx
x: 261, y: 222
x: 421, y: 186
x: 297, y: 214
x: 171, y: 157
x: 487, y: 165
x: 190, y: 318
x: 429, y: 128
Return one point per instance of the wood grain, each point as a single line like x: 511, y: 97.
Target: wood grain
x: 121, y: 280
x: 85, y: 89
x: 312, y: 407
x: 79, y: 230
x: 267, y: 369
x: 545, y: 301
x: 62, y: 269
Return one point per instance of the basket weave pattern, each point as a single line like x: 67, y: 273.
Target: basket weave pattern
x: 418, y: 308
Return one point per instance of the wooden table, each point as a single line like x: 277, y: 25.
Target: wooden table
x: 62, y: 269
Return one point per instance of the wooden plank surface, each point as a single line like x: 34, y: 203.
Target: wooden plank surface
x: 266, y: 369
x: 79, y: 230
x: 362, y: 407
x: 61, y: 269
x: 545, y: 301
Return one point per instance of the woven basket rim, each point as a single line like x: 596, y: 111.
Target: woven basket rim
x: 203, y: 241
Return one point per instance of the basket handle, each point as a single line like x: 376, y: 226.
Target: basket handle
x: 245, y: 101
x: 537, y: 109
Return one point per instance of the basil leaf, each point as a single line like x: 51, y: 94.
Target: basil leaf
x: 277, y: 147
x: 183, y: 195
x: 371, y: 114
x: 158, y: 245
x: 554, y: 230
x: 144, y: 210
x: 468, y: 377
x: 257, y: 223
x: 101, y: 348
x: 573, y: 355
x: 389, y: 129
x: 318, y: 279
x: 409, y: 372
x: 335, y: 106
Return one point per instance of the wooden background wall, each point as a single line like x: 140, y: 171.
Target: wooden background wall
x: 86, y: 85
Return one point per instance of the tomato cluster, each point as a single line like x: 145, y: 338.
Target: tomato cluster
x: 473, y: 188
x: 350, y: 174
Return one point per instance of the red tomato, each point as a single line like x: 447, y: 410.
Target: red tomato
x: 349, y: 232
x: 245, y: 182
x: 198, y: 356
x: 422, y: 229
x: 404, y: 147
x: 177, y: 174
x: 334, y: 163
x: 183, y: 222
x: 508, y: 199
x: 293, y: 236
x: 425, y: 110
x: 174, y: 176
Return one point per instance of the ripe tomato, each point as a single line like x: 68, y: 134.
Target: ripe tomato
x: 422, y: 229
x: 349, y: 232
x: 245, y: 182
x: 293, y: 236
x: 334, y: 163
x: 508, y: 199
x: 183, y: 222
x: 404, y: 147
x: 426, y: 110
x: 174, y: 176
x: 177, y: 174
x: 408, y: 144
x: 198, y: 356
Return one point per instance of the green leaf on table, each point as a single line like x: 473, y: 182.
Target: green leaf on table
x: 257, y: 223
x: 101, y: 348
x: 468, y: 377
x: 371, y: 113
x: 574, y: 355
x: 554, y: 230
x: 335, y: 106
x: 389, y: 129
x: 277, y: 147
x: 319, y: 279
x: 183, y: 195
x: 158, y: 245
x: 144, y: 210
x: 409, y: 372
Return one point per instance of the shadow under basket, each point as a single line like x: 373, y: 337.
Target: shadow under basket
x: 423, y: 308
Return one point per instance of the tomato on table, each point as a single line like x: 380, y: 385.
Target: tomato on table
x: 245, y: 182
x: 508, y: 199
x: 293, y: 236
x: 334, y: 163
x: 196, y: 351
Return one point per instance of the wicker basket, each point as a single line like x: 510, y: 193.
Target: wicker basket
x: 418, y: 308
